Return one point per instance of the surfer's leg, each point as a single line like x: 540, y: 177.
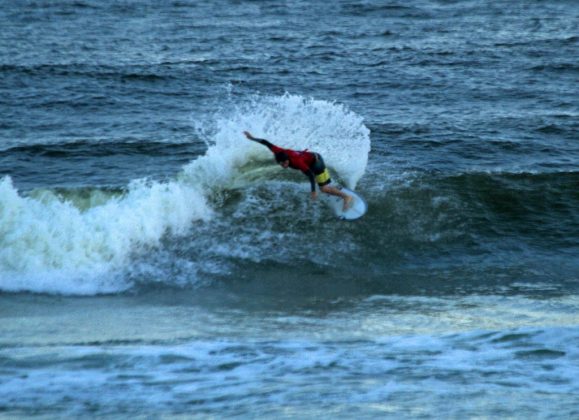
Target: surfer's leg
x: 328, y: 189
x: 323, y: 179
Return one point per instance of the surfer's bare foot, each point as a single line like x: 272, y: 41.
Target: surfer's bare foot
x: 347, y: 202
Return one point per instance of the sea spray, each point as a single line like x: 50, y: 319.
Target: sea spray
x: 289, y: 121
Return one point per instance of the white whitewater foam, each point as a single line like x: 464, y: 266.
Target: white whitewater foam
x: 49, y: 245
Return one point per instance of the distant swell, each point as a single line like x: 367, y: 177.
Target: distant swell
x: 128, y: 73
x: 102, y: 149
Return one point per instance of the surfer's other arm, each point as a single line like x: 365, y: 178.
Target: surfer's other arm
x: 312, y: 177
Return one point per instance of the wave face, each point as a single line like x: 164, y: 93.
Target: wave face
x: 230, y: 214
x: 95, y: 240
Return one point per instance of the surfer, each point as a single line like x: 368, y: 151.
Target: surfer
x: 310, y: 163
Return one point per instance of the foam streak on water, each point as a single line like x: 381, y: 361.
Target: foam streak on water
x: 233, y: 377
x: 384, y: 355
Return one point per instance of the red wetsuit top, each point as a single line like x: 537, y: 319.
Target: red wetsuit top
x: 302, y: 161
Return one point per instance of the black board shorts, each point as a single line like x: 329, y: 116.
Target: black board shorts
x: 320, y: 171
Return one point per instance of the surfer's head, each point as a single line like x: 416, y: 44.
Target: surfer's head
x: 282, y: 158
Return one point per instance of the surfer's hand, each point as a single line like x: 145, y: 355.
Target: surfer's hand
x: 248, y: 135
x: 314, y: 195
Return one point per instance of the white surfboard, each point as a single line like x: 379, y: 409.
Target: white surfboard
x: 356, y: 210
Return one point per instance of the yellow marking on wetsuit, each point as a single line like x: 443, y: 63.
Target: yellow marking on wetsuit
x: 323, y: 177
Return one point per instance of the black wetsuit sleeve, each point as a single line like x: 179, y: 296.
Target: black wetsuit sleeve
x: 312, y: 178
x: 264, y: 142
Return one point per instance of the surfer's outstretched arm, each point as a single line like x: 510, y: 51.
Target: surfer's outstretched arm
x: 266, y: 143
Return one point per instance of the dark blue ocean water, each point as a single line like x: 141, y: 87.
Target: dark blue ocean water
x: 154, y: 262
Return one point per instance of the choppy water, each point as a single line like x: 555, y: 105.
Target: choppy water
x: 154, y: 262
